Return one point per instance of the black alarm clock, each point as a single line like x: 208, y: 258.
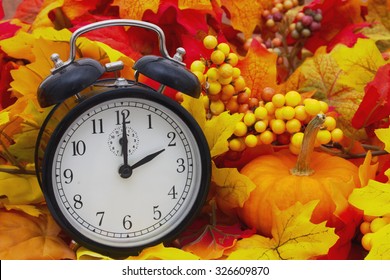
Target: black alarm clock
x: 122, y: 166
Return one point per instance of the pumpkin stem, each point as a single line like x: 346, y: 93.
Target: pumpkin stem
x: 302, y: 167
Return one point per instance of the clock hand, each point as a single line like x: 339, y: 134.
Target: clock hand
x: 147, y: 159
x: 125, y: 170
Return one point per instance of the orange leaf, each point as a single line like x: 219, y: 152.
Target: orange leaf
x: 259, y: 68
x: 26, y: 237
x: 135, y: 9
x: 244, y: 15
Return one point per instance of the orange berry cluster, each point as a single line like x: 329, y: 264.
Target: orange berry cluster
x: 224, y: 87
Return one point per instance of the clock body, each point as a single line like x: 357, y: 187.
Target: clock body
x: 126, y: 168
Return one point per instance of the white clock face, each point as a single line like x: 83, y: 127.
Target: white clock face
x: 125, y: 172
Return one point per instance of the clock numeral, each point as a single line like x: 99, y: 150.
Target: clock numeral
x: 101, y: 214
x: 127, y: 224
x: 181, y: 167
x: 121, y: 116
x: 171, y: 135
x: 68, y: 174
x: 79, y: 148
x: 150, y: 121
x: 157, y: 213
x: 172, y: 192
x: 97, y: 126
x: 78, y: 204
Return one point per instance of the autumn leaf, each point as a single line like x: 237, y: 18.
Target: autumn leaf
x: 195, y: 106
x: 375, y: 105
x: 384, y: 135
x: 31, y: 238
x: 380, y: 249
x: 196, y: 4
x: 244, y: 15
x: 339, y: 78
x: 373, y: 199
x: 259, y: 68
x: 294, y: 236
x: 233, y: 188
x: 337, y: 15
x: 134, y: 9
x: 19, y: 188
x: 210, y: 241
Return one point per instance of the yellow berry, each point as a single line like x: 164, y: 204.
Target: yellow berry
x: 212, y: 74
x: 278, y: 126
x: 367, y: 241
x: 214, y: 88
x: 224, y: 48
x: 198, y: 65
x: 217, y: 57
x: 297, y: 139
x: 365, y: 227
x: 324, y: 106
x: 270, y: 107
x: 330, y: 123
x: 251, y: 141
x: 261, y: 113
x: 312, y: 106
x: 236, y: 145
x: 337, y: 135
x: 232, y: 59
x: 293, y: 98
x: 241, y: 129
x: 210, y: 42
x: 225, y: 81
x: 279, y: 113
x: 226, y: 70
x: 217, y: 107
x: 236, y: 72
x: 300, y: 113
x: 278, y: 100
x: 324, y: 137
x: 249, y: 118
x: 293, y: 149
x: 293, y: 126
x: 266, y: 137
x: 199, y: 75
x: 288, y: 112
x: 260, y: 126
x: 239, y: 84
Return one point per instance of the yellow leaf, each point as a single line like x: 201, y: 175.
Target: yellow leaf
x: 380, y: 249
x: 83, y: 253
x: 294, y: 236
x: 373, y: 199
x: 195, y: 107
x: 384, y: 135
x: 359, y: 63
x: 4, y: 117
x: 218, y: 130
x: 160, y: 252
x: 366, y: 170
x: 196, y: 4
x: 232, y: 189
x: 31, y: 210
x: 135, y: 9
x: 19, y: 189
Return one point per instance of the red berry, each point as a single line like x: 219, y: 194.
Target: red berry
x: 307, y: 20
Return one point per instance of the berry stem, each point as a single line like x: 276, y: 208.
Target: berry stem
x: 302, y: 166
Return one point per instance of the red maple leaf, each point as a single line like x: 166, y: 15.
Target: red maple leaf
x: 376, y: 102
x: 7, y: 30
x: 210, y: 241
x: 339, y: 17
x: 1, y: 9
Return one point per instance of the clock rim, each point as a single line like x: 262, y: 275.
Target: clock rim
x: 136, y: 91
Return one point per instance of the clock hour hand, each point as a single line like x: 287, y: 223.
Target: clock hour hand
x: 147, y: 159
x: 125, y: 170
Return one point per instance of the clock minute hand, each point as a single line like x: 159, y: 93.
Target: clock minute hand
x: 147, y: 159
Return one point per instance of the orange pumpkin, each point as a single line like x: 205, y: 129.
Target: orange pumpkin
x: 282, y: 179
